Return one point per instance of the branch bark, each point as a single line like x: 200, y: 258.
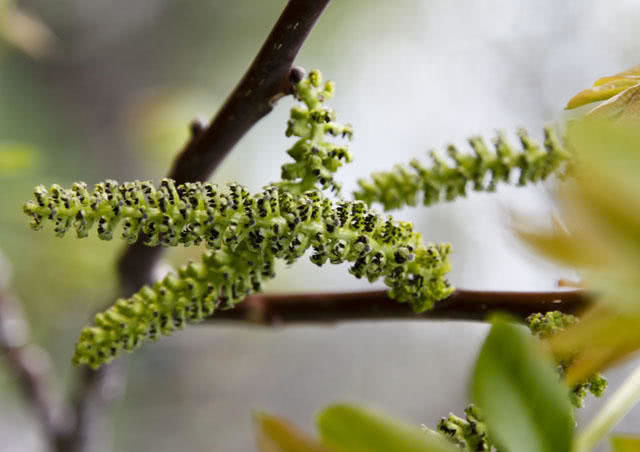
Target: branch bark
x: 327, y: 308
x: 270, y: 76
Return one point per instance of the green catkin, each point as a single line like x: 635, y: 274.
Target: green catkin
x: 246, y: 233
x: 449, y: 179
x: 469, y: 434
x: 315, y: 159
x: 546, y: 325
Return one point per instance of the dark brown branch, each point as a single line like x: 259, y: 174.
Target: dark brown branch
x: 270, y: 76
x: 273, y: 310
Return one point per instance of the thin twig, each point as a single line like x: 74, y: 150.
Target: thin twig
x: 31, y: 366
x: 328, y: 308
x: 270, y: 76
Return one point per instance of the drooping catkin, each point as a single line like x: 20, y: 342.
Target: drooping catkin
x: 447, y: 179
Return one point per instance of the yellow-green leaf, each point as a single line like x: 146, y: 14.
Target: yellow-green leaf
x: 526, y: 407
x: 624, y: 105
x: 348, y: 428
x: 606, y: 88
x: 621, y: 443
x: 601, y: 214
x: 600, y: 92
x: 603, y: 337
x: 279, y: 435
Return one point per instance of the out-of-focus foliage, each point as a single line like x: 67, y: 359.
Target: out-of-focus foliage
x: 15, y: 157
x: 616, y: 88
x: 470, y: 434
x: 279, y: 435
x: 600, y: 235
x: 24, y: 31
x: 548, y: 325
x: 616, y: 408
x: 526, y: 407
x: 348, y: 428
x: 621, y: 443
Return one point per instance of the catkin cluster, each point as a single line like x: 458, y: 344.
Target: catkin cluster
x: 551, y: 323
x: 245, y: 234
x: 315, y: 159
x: 468, y: 434
x: 448, y: 179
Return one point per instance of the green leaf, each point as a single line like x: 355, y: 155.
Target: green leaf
x: 348, y: 428
x: 526, y: 407
x: 279, y: 435
x: 600, y: 92
x: 625, y: 443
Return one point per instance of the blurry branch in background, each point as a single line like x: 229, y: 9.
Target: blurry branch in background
x: 270, y: 77
x: 24, y: 31
x: 29, y: 363
x: 329, y: 308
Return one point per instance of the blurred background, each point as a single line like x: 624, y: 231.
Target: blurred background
x: 112, y: 96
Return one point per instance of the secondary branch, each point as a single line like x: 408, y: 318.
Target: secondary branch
x: 329, y: 308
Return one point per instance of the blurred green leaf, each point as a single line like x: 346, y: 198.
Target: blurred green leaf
x: 16, y: 156
x: 601, y: 208
x: 526, y: 407
x: 279, y: 435
x: 348, y: 428
x: 625, y: 443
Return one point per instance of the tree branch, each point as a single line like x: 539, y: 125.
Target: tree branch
x: 269, y: 77
x: 328, y: 308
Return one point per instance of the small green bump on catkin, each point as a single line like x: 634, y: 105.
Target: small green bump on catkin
x: 316, y: 160
x: 247, y: 233
x: 447, y: 179
x: 551, y: 323
x: 468, y: 434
